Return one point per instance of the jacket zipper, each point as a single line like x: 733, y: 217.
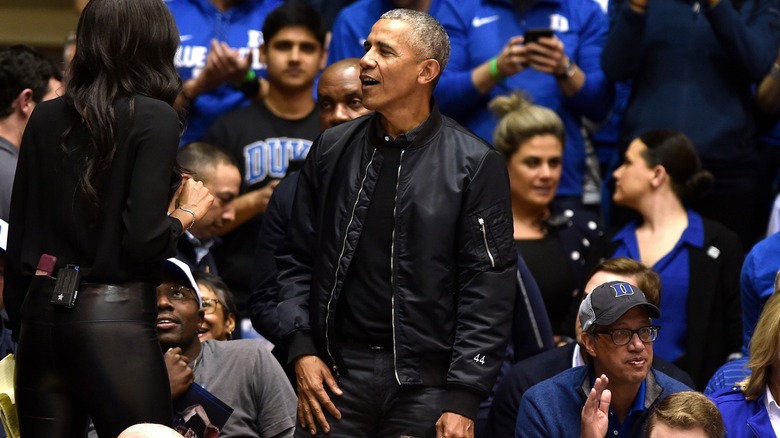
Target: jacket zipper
x: 484, y: 239
x: 392, y: 268
x: 338, y: 263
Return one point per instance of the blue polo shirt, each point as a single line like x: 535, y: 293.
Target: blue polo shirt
x: 674, y: 270
x: 616, y: 429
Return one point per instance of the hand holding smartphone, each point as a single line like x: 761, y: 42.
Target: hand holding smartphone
x: 533, y: 35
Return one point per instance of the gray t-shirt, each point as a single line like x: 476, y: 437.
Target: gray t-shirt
x: 244, y: 375
x: 9, y: 154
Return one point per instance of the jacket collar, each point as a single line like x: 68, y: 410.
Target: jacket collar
x: 428, y: 129
x: 652, y: 389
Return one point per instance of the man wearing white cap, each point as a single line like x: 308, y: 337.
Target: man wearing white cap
x: 618, y: 335
x: 241, y: 373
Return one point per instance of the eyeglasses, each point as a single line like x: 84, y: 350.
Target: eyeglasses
x: 623, y: 336
x: 176, y: 293
x: 210, y: 305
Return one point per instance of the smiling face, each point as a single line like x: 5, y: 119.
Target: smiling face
x: 625, y: 364
x: 294, y: 57
x: 390, y: 68
x: 535, y: 171
x: 178, y: 317
x: 633, y: 179
x: 216, y: 325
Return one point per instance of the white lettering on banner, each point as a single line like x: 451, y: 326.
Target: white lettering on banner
x: 271, y: 157
x: 190, y: 57
x: 254, y: 38
x: 559, y: 23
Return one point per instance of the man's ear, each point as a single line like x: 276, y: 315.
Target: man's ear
x: 589, y: 343
x: 263, y: 52
x: 24, y: 102
x: 429, y: 71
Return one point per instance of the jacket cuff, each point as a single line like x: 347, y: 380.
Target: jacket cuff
x: 301, y: 344
x: 462, y: 401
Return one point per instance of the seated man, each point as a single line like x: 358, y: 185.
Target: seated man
x: 529, y: 372
x: 610, y: 318
x: 241, y: 373
x: 219, y: 174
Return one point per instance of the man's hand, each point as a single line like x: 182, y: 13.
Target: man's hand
x: 595, y: 413
x: 452, y: 425
x: 513, y: 58
x: 223, y: 65
x: 311, y: 372
x: 180, y: 374
x: 547, y: 56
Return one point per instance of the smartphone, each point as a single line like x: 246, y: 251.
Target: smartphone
x: 533, y: 35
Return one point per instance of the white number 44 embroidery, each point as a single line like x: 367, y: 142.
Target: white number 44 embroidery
x: 479, y: 359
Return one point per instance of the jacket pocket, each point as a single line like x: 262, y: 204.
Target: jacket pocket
x: 492, y: 237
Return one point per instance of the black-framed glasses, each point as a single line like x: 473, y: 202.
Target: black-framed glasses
x: 619, y: 337
x: 209, y: 305
x: 177, y: 292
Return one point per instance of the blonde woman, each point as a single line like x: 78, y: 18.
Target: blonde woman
x: 748, y: 407
x: 555, y: 242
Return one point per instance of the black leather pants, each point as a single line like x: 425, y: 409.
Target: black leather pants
x: 100, y: 359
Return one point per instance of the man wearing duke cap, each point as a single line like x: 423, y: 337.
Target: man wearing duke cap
x: 618, y: 335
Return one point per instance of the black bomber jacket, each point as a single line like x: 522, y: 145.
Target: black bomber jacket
x: 453, y: 258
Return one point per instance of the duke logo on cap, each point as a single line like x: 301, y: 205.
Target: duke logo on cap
x: 608, y: 302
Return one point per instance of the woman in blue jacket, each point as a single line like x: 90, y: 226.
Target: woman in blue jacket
x: 745, y: 407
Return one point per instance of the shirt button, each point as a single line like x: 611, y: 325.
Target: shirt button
x: 592, y: 225
x: 575, y: 255
x: 615, y: 433
x: 387, y: 138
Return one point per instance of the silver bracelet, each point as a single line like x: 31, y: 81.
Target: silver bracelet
x: 190, y: 212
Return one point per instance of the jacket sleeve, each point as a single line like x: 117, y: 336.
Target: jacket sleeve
x: 623, y: 51
x: 751, y: 46
x: 487, y: 264
x: 456, y: 93
x: 264, y: 297
x: 295, y: 260
x: 595, y: 99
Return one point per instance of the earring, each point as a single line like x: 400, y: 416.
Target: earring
x: 229, y: 335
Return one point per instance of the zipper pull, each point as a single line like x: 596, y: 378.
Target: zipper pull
x: 336, y: 371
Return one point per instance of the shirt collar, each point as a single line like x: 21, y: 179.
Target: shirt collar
x: 9, y: 147
x: 693, y: 235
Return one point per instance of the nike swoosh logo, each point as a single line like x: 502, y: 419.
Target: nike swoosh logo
x: 185, y: 37
x: 479, y: 22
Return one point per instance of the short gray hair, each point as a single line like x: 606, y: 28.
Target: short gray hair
x: 426, y: 36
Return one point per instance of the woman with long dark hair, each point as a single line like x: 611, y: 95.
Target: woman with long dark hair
x: 698, y: 259
x: 93, y: 189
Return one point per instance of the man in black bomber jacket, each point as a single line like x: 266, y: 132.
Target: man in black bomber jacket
x: 398, y: 271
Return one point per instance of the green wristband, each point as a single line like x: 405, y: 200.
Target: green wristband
x: 494, y: 68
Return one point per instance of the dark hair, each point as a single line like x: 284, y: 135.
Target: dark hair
x: 294, y: 13
x: 124, y: 48
x: 675, y: 152
x: 195, y: 157
x: 21, y: 67
x: 221, y: 290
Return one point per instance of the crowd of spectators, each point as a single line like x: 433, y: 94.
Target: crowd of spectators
x: 639, y: 138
